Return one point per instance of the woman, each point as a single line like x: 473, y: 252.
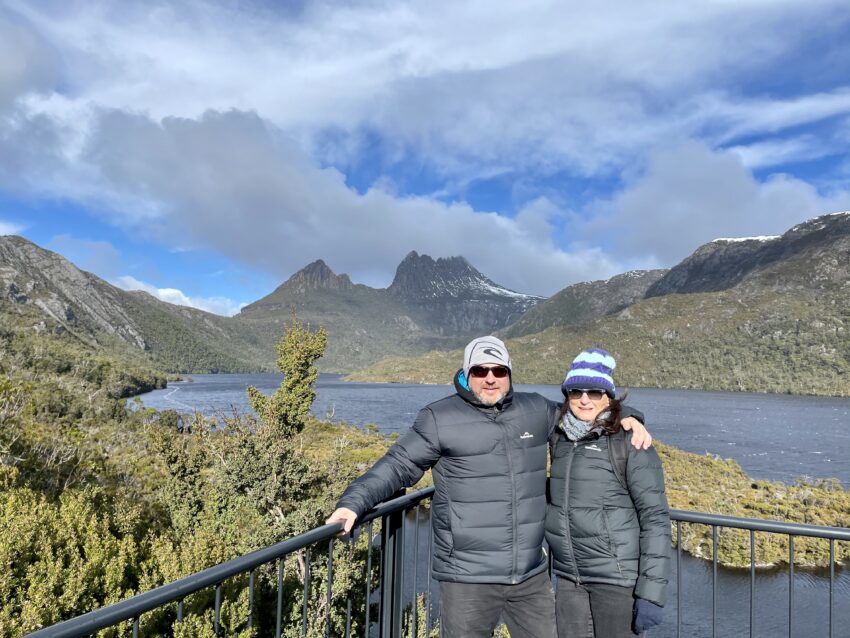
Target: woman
x: 610, y: 540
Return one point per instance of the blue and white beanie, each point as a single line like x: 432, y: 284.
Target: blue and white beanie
x: 592, y: 369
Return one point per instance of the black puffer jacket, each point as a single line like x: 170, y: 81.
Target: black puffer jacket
x: 600, y: 532
x: 489, y: 469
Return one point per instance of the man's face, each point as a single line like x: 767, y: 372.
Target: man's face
x: 489, y: 383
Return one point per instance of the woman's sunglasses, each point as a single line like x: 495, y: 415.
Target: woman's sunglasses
x: 593, y: 395
x: 480, y: 372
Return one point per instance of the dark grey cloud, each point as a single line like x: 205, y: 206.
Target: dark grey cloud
x: 27, y: 62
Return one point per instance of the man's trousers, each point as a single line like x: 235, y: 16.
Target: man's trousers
x: 471, y: 610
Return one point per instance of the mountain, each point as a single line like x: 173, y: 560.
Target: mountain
x: 132, y: 324
x: 801, y: 256
x: 453, y: 297
x: 760, y: 314
x: 363, y: 323
x: 430, y: 304
x: 584, y: 302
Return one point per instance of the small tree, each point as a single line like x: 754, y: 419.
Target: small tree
x: 283, y: 413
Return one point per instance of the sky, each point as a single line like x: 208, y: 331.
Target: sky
x: 206, y: 151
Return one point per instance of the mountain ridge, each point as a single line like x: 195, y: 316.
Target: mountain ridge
x: 725, y: 297
x: 776, y: 324
x: 429, y: 304
x: 364, y: 323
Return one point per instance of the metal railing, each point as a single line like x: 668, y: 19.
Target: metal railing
x: 754, y: 525
x: 389, y: 590
x: 389, y: 593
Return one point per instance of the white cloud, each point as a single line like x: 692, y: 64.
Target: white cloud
x: 215, y: 305
x: 230, y: 182
x: 689, y: 195
x: 454, y: 84
x: 10, y: 228
x: 228, y: 126
x: 748, y: 116
x: 27, y: 62
x: 782, y: 151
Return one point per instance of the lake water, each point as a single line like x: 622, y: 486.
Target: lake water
x: 776, y: 437
x: 773, y: 436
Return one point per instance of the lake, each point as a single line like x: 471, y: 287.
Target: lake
x: 773, y: 436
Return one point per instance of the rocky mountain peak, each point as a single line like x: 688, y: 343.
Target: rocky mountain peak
x: 421, y: 277
x: 821, y: 227
x: 315, y: 276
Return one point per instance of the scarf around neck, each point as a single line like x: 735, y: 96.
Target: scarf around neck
x: 576, y: 429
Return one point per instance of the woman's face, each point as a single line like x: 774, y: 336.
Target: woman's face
x: 586, y: 408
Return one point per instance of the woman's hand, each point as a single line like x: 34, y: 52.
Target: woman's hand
x: 646, y: 615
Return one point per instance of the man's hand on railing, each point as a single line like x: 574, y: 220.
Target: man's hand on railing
x: 345, y: 516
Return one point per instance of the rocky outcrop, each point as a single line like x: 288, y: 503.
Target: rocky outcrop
x: 316, y: 276
x: 76, y: 300
x: 453, y: 298
x: 724, y: 263
x: 69, y: 300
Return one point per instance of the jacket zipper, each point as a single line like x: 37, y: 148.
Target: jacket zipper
x: 515, y: 538
x: 567, y: 512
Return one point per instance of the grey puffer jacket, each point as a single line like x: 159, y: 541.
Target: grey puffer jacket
x: 489, y: 469
x: 600, y: 532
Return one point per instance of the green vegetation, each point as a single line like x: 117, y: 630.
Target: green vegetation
x: 762, y: 342
x: 100, y: 500
x: 186, y: 340
x: 733, y: 493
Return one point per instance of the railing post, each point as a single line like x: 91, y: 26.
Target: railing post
x: 392, y: 573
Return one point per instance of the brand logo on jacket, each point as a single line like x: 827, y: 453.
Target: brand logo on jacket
x: 594, y: 447
x: 526, y: 435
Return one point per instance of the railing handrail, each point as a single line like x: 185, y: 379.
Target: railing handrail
x: 134, y: 606
x: 762, y: 525
x: 131, y: 608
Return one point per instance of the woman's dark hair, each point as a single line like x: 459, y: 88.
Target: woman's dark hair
x: 611, y: 423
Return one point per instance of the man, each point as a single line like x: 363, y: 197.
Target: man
x: 486, y: 446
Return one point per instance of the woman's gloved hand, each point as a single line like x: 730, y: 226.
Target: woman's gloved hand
x: 646, y: 615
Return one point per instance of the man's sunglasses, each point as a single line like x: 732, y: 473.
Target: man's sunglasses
x: 480, y: 372
x: 593, y: 395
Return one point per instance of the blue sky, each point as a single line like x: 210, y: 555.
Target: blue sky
x: 206, y: 151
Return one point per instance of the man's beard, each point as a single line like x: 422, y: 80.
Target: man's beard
x: 489, y: 401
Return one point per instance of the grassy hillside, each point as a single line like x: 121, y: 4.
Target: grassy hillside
x: 186, y: 340
x: 584, y: 302
x: 761, y: 342
x: 733, y: 493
